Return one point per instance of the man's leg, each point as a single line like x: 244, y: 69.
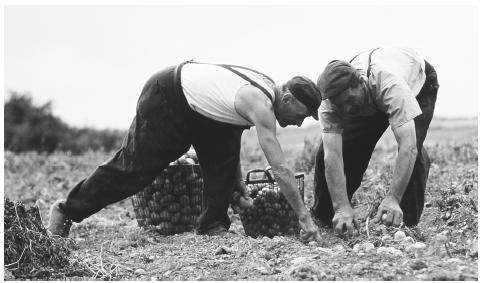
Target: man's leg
x: 359, y: 139
x: 414, y: 197
x: 155, y: 138
x: 218, y: 150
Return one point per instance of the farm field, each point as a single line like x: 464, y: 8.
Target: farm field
x: 111, y: 246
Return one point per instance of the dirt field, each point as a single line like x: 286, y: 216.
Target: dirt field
x: 112, y: 247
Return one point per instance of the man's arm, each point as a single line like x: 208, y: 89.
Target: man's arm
x: 239, y: 184
x: 344, y: 220
x: 260, y: 113
x: 283, y: 174
x: 240, y: 198
x: 407, y: 153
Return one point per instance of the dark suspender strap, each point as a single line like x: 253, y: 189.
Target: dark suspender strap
x: 369, y: 60
x: 351, y: 60
x: 252, y: 82
x: 176, y: 77
x: 243, y: 76
x: 251, y: 70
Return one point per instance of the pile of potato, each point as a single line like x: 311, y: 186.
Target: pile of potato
x: 271, y: 215
x: 173, y: 201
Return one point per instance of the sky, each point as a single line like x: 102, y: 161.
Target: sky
x: 92, y: 61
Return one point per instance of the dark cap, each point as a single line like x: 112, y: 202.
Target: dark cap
x: 306, y: 92
x: 336, y: 78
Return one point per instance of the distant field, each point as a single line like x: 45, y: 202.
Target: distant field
x: 441, y: 130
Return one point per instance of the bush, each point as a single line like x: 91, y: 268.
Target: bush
x: 30, y: 127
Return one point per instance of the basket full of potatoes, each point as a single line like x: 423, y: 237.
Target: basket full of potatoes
x: 174, y: 200
x: 271, y: 214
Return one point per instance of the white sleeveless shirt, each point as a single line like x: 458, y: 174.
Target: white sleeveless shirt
x: 210, y: 90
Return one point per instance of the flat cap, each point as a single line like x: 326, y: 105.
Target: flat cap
x: 336, y: 78
x: 306, y: 92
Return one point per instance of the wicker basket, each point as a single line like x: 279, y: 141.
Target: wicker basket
x: 173, y: 201
x: 271, y: 214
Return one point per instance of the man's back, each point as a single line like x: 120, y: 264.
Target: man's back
x: 211, y: 90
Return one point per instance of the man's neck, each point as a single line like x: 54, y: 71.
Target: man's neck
x: 278, y: 93
x: 277, y: 90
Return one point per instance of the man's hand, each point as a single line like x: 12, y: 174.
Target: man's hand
x: 344, y: 222
x: 241, y: 199
x: 309, y: 229
x: 389, y: 212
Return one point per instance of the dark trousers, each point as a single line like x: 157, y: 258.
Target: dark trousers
x: 163, y: 129
x: 360, y: 136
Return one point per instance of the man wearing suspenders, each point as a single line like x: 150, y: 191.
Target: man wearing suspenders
x: 207, y: 106
x: 361, y: 98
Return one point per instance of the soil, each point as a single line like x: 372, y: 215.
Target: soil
x: 111, y: 246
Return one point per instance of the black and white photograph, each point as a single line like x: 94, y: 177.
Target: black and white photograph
x: 240, y: 140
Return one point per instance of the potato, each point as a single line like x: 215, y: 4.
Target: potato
x: 177, y: 177
x: 148, y: 222
x: 291, y: 214
x: 179, y: 229
x: 158, y: 182
x: 191, y: 178
x: 195, y: 200
x: 165, y: 228
x: 196, y: 189
x: 157, y: 196
x: 149, y: 190
x: 187, y: 210
x: 282, y: 213
x: 277, y: 206
x: 176, y: 217
x: 192, y: 219
x: 179, y: 189
x: 141, y: 202
x: 165, y: 215
x: 155, y: 217
x: 245, y: 203
x: 270, y: 211
x: 141, y: 222
x: 184, y: 200
x: 197, y: 209
x: 166, y: 200
x: 185, y: 219
x: 384, y: 217
x: 181, y: 160
x: 264, y: 228
x: 152, y: 206
x: 167, y: 186
x: 276, y: 227
x: 174, y: 207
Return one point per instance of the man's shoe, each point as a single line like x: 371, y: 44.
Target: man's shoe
x: 58, y: 223
x: 216, y: 231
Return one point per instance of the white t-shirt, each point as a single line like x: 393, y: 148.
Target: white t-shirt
x: 211, y: 90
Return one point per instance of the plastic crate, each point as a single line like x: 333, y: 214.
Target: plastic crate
x: 173, y: 201
x: 271, y: 214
